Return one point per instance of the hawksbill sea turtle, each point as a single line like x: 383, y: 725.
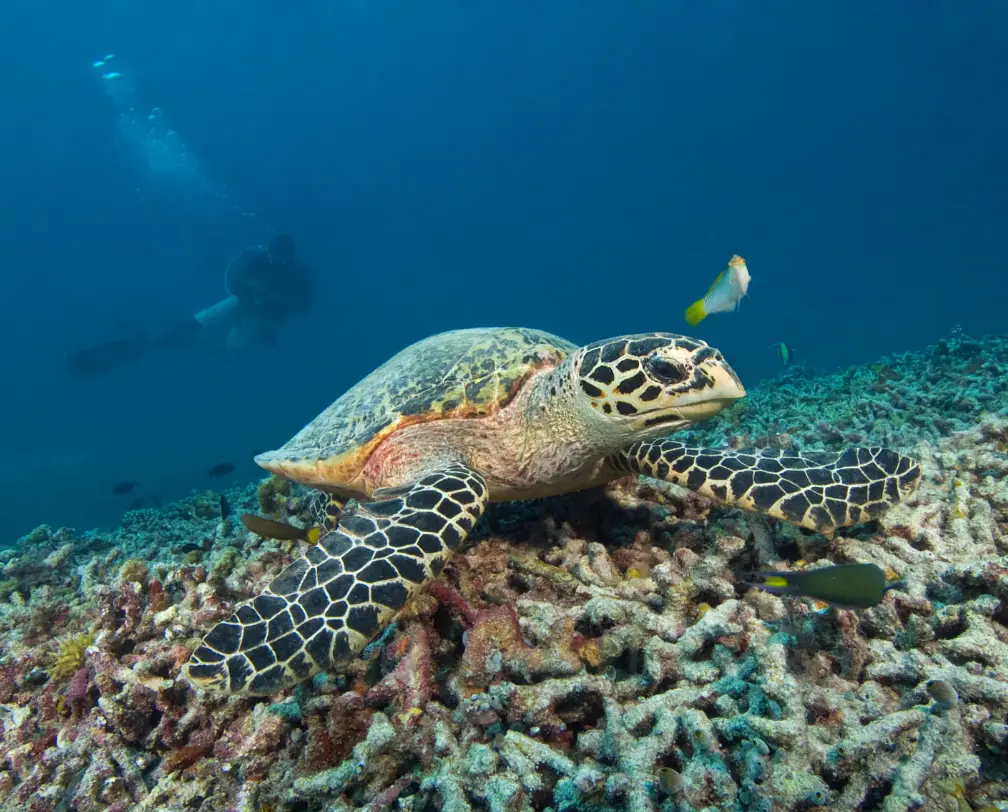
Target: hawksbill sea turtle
x: 468, y: 417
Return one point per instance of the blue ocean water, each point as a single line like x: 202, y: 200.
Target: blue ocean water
x: 581, y: 167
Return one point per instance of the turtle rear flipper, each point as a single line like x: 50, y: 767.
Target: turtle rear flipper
x: 817, y: 490
x: 327, y: 605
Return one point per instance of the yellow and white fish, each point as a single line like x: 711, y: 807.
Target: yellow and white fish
x: 724, y: 295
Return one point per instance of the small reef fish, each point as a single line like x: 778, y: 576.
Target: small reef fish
x: 957, y: 790
x: 124, y: 487
x: 221, y: 469
x: 846, y: 586
x: 783, y: 351
x: 282, y: 531
x: 225, y: 507
x: 724, y: 295
x: 669, y: 780
x: 942, y: 692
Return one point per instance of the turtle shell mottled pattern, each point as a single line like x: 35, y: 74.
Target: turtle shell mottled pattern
x: 462, y: 373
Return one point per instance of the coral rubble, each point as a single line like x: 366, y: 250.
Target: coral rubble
x: 596, y: 651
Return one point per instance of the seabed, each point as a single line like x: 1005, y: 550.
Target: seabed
x: 591, y: 652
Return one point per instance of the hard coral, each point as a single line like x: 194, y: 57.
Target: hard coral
x: 133, y: 570
x: 200, y: 744
x: 496, y: 648
x: 270, y: 494
x: 593, y: 651
x: 409, y: 684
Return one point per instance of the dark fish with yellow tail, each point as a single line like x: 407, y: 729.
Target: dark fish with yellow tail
x: 281, y: 531
x: 846, y: 586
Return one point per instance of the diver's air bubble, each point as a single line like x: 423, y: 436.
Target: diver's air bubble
x: 168, y: 165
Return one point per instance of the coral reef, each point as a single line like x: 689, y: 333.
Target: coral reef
x: 70, y: 656
x: 596, y: 651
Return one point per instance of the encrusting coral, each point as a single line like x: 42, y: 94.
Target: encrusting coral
x: 596, y: 651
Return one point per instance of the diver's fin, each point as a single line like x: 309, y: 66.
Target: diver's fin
x: 183, y: 334
x: 102, y: 358
x: 127, y: 329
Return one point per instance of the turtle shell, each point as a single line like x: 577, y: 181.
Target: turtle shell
x: 459, y: 374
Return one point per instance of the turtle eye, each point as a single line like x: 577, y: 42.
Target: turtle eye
x: 666, y: 371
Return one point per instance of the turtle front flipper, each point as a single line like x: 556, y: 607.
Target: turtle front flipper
x: 818, y: 490
x: 326, y: 606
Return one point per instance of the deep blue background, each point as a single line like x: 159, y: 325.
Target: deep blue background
x: 583, y: 167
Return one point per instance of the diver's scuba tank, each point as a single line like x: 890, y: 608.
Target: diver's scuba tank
x: 244, y: 254
x: 222, y: 310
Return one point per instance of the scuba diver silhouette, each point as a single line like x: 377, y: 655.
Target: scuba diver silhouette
x: 266, y: 285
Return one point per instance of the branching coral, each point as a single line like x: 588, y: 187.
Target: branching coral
x: 596, y: 651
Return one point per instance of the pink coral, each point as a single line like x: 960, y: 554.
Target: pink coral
x: 155, y: 596
x: 451, y: 599
x: 495, y: 646
x: 410, y: 683
x: 200, y: 744
x: 119, y: 608
x: 77, y: 689
x: 11, y: 674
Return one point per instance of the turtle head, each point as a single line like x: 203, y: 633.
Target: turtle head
x: 651, y: 384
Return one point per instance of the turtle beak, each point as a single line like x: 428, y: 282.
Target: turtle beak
x: 719, y: 388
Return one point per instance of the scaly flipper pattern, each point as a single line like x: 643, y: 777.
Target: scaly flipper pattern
x: 817, y: 490
x: 326, y: 606
x: 325, y: 509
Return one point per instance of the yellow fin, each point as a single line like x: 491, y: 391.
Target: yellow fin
x: 775, y: 581
x: 313, y: 535
x: 695, y: 313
